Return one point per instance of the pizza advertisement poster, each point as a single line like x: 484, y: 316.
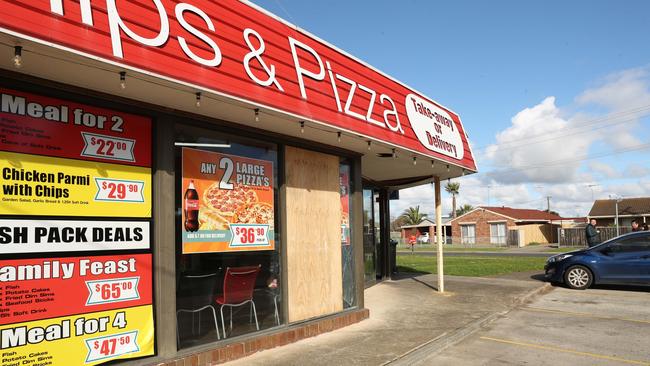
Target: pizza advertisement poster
x: 344, y: 187
x: 227, y: 203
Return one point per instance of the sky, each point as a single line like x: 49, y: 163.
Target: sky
x: 555, y: 95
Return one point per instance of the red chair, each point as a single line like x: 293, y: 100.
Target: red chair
x: 238, y: 286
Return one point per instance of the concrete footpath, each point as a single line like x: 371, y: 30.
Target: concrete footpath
x: 409, y: 320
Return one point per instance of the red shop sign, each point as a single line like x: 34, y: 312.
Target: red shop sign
x: 239, y: 50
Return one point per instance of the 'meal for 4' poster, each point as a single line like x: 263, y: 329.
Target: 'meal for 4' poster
x: 227, y: 203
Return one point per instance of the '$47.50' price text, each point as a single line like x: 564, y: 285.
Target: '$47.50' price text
x: 108, y: 347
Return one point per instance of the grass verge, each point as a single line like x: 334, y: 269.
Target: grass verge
x: 563, y: 249
x: 452, y: 249
x: 470, y: 266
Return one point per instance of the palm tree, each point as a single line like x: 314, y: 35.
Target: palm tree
x: 412, y: 216
x: 453, y: 188
x: 464, y: 209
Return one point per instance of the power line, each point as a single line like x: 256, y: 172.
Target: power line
x: 553, y: 163
x: 614, y: 117
x: 501, y: 148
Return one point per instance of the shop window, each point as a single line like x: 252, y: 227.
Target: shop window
x: 228, y: 248
x: 368, y: 237
x: 468, y: 234
x: 347, y: 249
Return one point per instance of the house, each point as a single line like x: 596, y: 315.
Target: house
x: 426, y: 226
x: 571, y: 222
x: 490, y: 225
x: 604, y: 211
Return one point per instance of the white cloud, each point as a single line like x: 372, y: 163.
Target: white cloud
x: 547, y: 145
x: 623, y: 90
x: 635, y: 170
x: 526, y: 151
x: 542, y: 153
x: 603, y: 169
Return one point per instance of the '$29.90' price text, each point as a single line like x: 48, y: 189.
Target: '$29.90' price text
x: 119, y: 190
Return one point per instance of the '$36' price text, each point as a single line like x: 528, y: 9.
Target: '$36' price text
x: 248, y: 235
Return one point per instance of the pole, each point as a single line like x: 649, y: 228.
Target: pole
x: 441, y: 278
x: 548, y: 204
x: 617, y: 232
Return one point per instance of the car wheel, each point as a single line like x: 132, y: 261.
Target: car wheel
x: 578, y: 277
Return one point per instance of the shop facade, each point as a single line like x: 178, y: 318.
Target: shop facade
x: 194, y: 181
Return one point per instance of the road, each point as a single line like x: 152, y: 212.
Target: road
x: 481, y: 254
x: 601, y: 326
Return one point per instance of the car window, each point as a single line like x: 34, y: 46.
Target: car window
x: 634, y: 244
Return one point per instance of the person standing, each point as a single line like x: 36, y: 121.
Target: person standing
x: 592, y: 234
x: 636, y: 226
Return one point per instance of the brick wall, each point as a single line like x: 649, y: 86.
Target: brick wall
x: 481, y: 219
x: 281, y: 337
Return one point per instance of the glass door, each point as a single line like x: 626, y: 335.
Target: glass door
x: 369, y: 247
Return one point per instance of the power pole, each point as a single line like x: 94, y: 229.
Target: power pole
x: 548, y: 204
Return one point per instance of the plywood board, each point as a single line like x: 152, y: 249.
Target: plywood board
x: 313, y: 239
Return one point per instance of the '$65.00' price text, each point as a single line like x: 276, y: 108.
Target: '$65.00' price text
x: 112, y: 291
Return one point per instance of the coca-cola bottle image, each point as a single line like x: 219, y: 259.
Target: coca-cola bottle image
x: 191, y: 208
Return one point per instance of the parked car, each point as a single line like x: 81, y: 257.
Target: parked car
x: 621, y: 260
x: 424, y: 238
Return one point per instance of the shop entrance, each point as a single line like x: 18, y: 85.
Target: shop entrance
x: 375, y: 234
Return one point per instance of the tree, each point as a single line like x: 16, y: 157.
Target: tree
x: 453, y: 188
x: 464, y: 209
x: 412, y: 216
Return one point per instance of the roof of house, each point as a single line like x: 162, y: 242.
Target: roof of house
x: 626, y: 206
x: 523, y: 213
x: 427, y: 223
x: 518, y: 214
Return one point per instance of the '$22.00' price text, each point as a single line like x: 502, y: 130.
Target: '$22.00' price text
x: 108, y: 147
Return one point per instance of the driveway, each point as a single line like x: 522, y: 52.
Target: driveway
x: 600, y: 326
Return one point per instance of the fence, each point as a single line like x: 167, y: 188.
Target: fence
x: 575, y: 237
x: 513, y: 238
x: 453, y: 242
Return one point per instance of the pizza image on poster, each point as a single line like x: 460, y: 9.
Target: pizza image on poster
x: 227, y: 203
